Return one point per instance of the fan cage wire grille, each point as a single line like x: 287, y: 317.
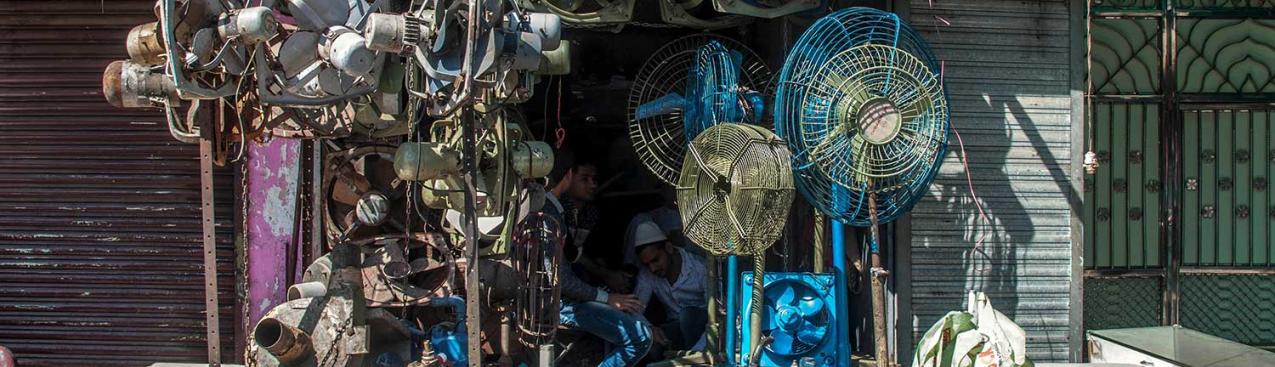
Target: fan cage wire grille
x: 836, y: 184
x: 536, y: 255
x: 660, y: 141
x: 735, y: 189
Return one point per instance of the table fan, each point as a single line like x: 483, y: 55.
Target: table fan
x: 862, y: 105
x: 686, y: 86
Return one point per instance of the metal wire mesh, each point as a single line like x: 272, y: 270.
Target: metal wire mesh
x: 735, y: 189
x: 661, y: 140
x: 863, y: 108
x: 536, y: 255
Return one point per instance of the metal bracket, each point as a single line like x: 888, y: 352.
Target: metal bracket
x: 212, y: 324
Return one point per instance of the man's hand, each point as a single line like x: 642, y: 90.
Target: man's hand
x: 625, y: 302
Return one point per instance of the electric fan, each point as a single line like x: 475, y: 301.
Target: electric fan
x: 798, y: 318
x: 536, y: 255
x: 733, y: 195
x: 862, y: 106
x: 585, y: 11
x: 765, y: 8
x: 364, y: 198
x: 863, y: 109
x: 686, y: 86
x: 698, y: 14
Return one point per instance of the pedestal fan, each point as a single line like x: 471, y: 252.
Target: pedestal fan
x: 863, y: 108
x: 733, y: 195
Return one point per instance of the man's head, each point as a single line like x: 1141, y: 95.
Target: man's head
x: 653, y: 248
x: 572, y: 178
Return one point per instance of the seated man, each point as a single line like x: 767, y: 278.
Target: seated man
x: 677, y: 279
x: 610, y: 316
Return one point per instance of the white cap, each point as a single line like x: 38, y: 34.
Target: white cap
x: 646, y: 233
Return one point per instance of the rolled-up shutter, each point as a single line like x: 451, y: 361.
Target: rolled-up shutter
x: 100, y: 246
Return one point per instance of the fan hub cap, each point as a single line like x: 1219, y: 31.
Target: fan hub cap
x: 879, y: 121
x: 372, y: 209
x: 789, y: 317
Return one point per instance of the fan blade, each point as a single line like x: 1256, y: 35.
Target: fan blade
x: 782, y: 343
x: 345, y: 195
x: 810, y: 307
x: 788, y: 296
x: 380, y: 173
x: 667, y: 104
x: 355, y: 181
x: 811, y: 334
x: 768, y: 319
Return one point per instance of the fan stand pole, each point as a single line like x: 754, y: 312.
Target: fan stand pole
x: 754, y: 324
x: 839, y: 267
x: 713, y: 343
x: 878, y: 290
x: 732, y: 310
x: 472, y: 316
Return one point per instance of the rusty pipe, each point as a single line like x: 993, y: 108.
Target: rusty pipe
x: 285, y: 342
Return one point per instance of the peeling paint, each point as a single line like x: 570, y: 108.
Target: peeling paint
x: 272, y: 180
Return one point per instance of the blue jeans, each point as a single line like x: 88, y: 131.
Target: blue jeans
x: 627, y: 333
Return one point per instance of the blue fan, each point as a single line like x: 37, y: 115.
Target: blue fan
x: 864, y: 111
x: 686, y: 87
x: 862, y: 105
x: 798, y: 318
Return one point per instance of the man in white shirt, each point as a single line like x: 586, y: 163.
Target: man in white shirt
x: 677, y: 279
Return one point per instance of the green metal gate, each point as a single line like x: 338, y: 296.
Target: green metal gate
x: 1178, y: 217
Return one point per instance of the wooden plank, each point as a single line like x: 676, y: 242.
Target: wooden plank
x: 1260, y: 218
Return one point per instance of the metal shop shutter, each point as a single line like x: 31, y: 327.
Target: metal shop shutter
x: 100, y: 246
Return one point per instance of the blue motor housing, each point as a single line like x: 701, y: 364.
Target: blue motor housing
x: 799, y: 315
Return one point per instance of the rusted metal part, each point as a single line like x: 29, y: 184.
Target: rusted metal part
x: 212, y: 321
x: 287, y: 343
x: 144, y: 45
x: 430, y: 267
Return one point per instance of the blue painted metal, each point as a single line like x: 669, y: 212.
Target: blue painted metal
x: 732, y: 301
x: 839, y: 267
x: 799, y: 310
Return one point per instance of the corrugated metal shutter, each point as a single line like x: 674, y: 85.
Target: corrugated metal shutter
x: 100, y: 252
x: 1007, y: 71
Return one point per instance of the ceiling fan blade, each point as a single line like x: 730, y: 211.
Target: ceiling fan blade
x: 810, y: 306
x: 811, y: 334
x: 782, y: 343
